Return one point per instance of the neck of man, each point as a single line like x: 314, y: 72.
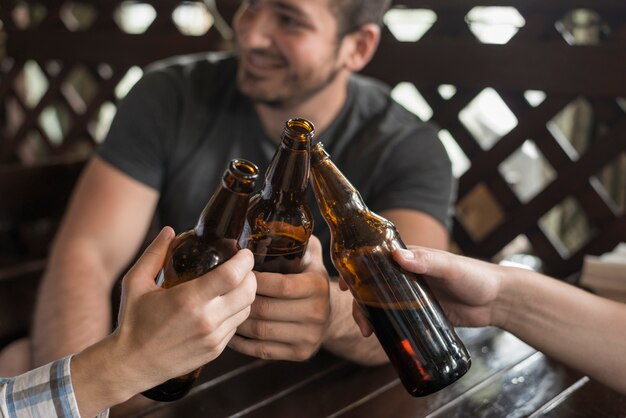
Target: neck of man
x: 321, y: 108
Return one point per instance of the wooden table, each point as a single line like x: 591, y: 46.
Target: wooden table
x: 507, y: 379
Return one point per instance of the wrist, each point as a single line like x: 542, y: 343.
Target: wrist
x: 505, y: 297
x: 101, y: 378
x: 510, y: 299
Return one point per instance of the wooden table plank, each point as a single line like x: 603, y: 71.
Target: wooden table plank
x: 515, y: 392
x: 377, y: 392
x: 589, y: 399
x: 333, y: 391
x: 234, y: 394
x: 507, y: 378
x: 228, y: 365
x: 491, y: 350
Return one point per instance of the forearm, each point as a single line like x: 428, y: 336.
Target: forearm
x: 73, y: 308
x: 344, y: 337
x: 578, y: 328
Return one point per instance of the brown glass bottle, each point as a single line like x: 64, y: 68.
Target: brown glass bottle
x: 279, y: 221
x: 407, y: 319
x: 197, y: 251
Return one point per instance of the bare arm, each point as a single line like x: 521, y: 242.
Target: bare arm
x: 344, y: 337
x: 578, y: 328
x: 418, y: 228
x: 103, y: 227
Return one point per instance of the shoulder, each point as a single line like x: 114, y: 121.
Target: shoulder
x: 206, y: 63
x: 369, y: 92
x: 378, y: 135
x: 388, y: 123
x: 191, y: 75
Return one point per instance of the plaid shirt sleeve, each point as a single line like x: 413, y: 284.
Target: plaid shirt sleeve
x: 43, y: 392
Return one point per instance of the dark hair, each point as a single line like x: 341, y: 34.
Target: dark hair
x: 352, y: 14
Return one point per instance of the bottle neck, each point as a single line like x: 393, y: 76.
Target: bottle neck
x: 224, y: 214
x: 288, y: 171
x: 337, y: 197
x: 350, y: 221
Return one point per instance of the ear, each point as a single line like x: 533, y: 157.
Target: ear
x: 359, y: 46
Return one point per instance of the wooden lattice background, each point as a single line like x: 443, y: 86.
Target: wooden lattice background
x: 84, y: 53
x: 537, y: 57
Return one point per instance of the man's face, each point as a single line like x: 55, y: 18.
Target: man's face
x: 288, y: 50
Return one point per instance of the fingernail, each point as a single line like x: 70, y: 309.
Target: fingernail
x: 250, y: 254
x: 167, y: 232
x: 406, y: 254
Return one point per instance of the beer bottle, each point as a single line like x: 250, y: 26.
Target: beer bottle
x: 199, y: 250
x: 406, y: 318
x: 279, y: 221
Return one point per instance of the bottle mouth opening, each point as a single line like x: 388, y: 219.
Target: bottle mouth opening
x: 300, y: 126
x: 244, y: 169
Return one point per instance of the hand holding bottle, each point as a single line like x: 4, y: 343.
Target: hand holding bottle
x: 164, y: 333
x: 189, y: 324
x: 567, y: 323
x: 197, y: 251
x: 290, y: 314
x: 466, y: 288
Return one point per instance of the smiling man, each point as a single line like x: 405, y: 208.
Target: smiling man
x: 188, y: 116
x: 292, y: 68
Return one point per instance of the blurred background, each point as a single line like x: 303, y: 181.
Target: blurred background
x: 529, y: 97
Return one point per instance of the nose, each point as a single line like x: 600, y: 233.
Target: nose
x: 254, y: 29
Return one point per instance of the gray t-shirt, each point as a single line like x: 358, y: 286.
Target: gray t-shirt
x: 185, y: 120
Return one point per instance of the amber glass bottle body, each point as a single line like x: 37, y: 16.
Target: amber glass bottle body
x: 279, y: 222
x: 407, y: 319
x: 199, y: 250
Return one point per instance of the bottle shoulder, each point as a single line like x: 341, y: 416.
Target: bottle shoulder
x: 279, y: 205
x: 191, y: 252
x: 364, y: 229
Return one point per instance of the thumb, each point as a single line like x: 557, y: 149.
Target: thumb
x: 313, y: 258
x: 151, y: 261
x: 411, y: 260
x: 226, y: 276
x: 143, y: 272
x: 432, y: 263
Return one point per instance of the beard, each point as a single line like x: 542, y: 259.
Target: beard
x: 288, y: 91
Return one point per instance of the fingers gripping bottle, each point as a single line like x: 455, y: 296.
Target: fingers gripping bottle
x: 279, y: 221
x: 407, y: 319
x: 199, y: 250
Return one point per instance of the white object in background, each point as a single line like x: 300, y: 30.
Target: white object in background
x: 606, y: 274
